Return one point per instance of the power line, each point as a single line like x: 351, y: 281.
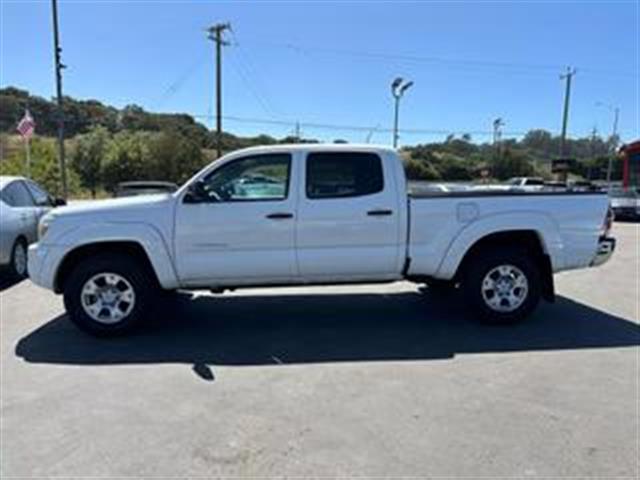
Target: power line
x: 177, y: 84
x: 246, y: 80
x: 355, y: 128
x: 253, y: 76
x: 442, y: 61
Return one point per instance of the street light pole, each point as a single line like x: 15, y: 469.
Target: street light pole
x: 398, y: 87
x: 395, y: 120
x: 498, y: 123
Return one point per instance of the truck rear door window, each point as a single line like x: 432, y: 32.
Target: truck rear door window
x: 343, y: 174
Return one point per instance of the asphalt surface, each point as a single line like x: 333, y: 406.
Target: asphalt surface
x: 357, y: 381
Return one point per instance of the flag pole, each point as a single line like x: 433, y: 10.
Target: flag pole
x: 27, y: 146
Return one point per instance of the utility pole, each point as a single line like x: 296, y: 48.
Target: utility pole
x: 565, y: 115
x: 297, y: 134
x: 58, y: 71
x: 215, y: 34
x: 398, y: 87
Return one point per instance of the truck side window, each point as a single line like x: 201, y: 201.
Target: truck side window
x: 259, y: 177
x: 343, y: 174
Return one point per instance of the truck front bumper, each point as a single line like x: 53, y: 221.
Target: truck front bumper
x: 43, y: 263
x: 606, y: 247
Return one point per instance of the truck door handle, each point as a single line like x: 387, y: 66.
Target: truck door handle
x: 379, y: 213
x: 279, y: 216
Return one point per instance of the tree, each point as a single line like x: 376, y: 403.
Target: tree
x: 173, y: 157
x: 126, y: 159
x: 452, y: 167
x: 512, y: 164
x: 88, y: 157
x: 45, y: 168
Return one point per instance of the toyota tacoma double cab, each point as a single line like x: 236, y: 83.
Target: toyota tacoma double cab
x: 315, y: 215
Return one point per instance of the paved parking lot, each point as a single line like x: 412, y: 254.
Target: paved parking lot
x: 374, y: 380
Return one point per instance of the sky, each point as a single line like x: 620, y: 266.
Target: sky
x: 329, y: 65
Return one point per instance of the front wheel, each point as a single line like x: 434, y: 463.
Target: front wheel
x: 502, y: 285
x: 108, y: 295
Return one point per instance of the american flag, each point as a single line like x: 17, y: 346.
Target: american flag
x: 26, y: 126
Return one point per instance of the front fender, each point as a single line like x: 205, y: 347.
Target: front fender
x: 542, y: 224
x: 147, y: 236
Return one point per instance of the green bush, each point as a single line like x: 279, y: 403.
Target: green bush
x: 45, y: 168
x: 88, y: 156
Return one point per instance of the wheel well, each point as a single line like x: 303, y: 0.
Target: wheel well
x: 74, y: 257
x: 527, y: 240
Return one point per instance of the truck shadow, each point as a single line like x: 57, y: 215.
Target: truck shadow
x: 7, y: 280
x: 292, y: 329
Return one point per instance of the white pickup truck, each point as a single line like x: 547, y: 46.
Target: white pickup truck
x: 314, y: 215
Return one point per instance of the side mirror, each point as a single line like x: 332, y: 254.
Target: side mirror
x: 59, y: 202
x: 196, y: 193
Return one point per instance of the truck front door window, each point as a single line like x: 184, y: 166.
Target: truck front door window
x: 259, y: 177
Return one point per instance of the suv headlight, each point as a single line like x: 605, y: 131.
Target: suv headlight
x: 43, y: 226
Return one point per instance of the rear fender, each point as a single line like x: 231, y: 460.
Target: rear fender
x: 545, y: 228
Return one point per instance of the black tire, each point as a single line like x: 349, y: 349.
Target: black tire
x: 15, y: 269
x: 481, y: 265
x: 126, y: 267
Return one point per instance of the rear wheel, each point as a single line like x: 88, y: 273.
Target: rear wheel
x: 502, y: 285
x: 19, y: 258
x: 108, y: 295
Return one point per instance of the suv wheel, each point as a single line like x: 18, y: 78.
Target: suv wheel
x: 502, y: 286
x: 108, y: 295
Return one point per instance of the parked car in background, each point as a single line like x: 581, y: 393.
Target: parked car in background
x: 555, y: 186
x: 526, y: 182
x: 625, y: 203
x: 583, y: 186
x: 422, y: 186
x: 131, y: 189
x: 22, y: 203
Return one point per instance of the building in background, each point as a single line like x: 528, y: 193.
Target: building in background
x: 630, y: 154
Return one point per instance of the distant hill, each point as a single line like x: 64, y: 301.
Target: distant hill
x: 455, y: 158
x: 81, y: 115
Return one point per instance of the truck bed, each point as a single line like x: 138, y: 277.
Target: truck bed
x: 441, y: 222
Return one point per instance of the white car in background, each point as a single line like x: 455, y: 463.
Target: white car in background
x: 625, y: 203
x: 529, y: 183
x: 22, y: 203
